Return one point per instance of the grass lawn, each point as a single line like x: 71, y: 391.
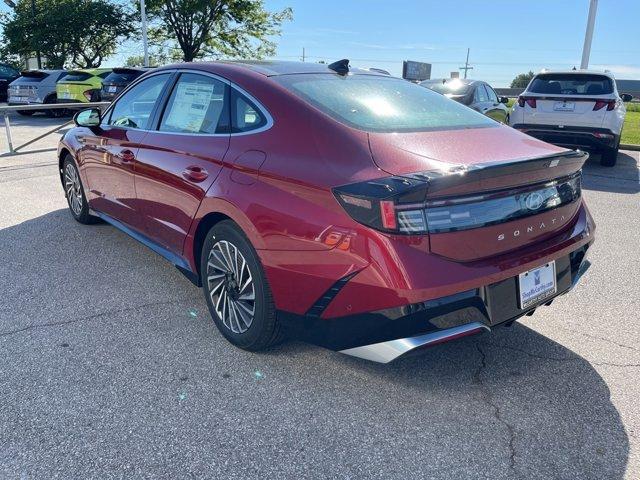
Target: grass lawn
x: 631, y: 129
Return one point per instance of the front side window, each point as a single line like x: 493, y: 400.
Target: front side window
x: 493, y: 97
x: 382, y: 104
x: 198, y: 105
x: 571, y: 84
x: 133, y: 109
x: 481, y: 94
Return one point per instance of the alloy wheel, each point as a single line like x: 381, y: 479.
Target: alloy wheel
x: 73, y: 188
x: 231, y: 286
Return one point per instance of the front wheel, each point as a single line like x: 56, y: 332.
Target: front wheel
x: 236, y: 289
x: 74, y: 192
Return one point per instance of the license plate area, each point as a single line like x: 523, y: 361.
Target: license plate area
x: 564, y: 106
x: 112, y: 89
x: 537, y: 285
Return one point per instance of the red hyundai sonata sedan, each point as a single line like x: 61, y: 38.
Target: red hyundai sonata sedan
x: 340, y: 206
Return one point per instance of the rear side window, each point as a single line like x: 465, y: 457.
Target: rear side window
x: 134, y: 108
x: 77, y: 76
x: 571, y: 84
x: 382, y: 104
x: 245, y: 115
x: 198, y: 104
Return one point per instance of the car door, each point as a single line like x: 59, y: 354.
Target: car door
x: 109, y: 152
x: 496, y: 110
x: 180, y: 159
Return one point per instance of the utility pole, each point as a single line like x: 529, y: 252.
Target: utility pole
x: 303, y: 55
x: 588, y: 36
x: 466, y: 65
x: 33, y: 13
x: 143, y: 17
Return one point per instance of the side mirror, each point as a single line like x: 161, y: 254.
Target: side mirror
x: 626, y: 97
x: 87, y: 118
x: 504, y: 100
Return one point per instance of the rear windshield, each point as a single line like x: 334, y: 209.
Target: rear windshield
x: 31, y: 77
x: 122, y: 77
x: 571, y: 84
x: 77, y: 77
x: 452, y: 87
x: 382, y: 104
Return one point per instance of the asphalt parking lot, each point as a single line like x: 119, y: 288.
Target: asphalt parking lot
x: 110, y: 366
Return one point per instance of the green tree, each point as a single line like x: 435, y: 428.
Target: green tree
x: 76, y: 33
x: 241, y: 28
x: 522, y: 80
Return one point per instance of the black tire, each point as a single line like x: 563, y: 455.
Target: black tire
x: 263, y: 330
x: 610, y: 155
x: 54, y: 112
x: 78, y: 205
x: 26, y: 113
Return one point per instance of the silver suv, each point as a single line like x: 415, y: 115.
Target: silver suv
x: 35, y: 87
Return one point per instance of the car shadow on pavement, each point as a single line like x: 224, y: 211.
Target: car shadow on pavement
x: 623, y: 178
x: 552, y: 407
x: 510, y: 404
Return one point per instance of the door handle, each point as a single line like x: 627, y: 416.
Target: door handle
x: 126, y: 156
x: 195, y: 173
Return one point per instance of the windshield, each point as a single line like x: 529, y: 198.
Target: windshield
x: 453, y: 87
x: 382, y: 104
x: 571, y: 84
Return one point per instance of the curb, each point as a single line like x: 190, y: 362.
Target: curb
x: 626, y: 146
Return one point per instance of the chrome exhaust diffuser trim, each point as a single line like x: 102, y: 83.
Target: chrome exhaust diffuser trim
x: 385, y: 352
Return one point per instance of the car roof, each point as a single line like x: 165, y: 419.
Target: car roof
x: 272, y: 68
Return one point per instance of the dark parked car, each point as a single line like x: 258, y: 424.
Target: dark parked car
x: 7, y: 75
x: 118, y: 80
x: 473, y: 93
x: 345, y: 207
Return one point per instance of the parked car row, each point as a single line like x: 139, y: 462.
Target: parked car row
x: 40, y: 87
x: 576, y: 108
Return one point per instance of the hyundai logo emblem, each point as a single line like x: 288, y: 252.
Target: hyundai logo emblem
x: 534, y: 201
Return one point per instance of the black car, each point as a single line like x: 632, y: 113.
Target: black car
x: 117, y: 80
x: 475, y: 94
x: 7, y: 75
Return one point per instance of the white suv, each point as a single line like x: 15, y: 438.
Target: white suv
x: 576, y: 108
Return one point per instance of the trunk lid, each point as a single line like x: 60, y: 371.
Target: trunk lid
x: 568, y: 110
x: 484, y: 184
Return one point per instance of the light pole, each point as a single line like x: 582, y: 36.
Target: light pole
x: 12, y: 4
x: 143, y: 16
x: 588, y: 36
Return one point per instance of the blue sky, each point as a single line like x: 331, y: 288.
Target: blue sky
x: 505, y: 37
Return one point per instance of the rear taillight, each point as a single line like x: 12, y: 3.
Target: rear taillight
x: 87, y: 94
x: 399, y: 205
x: 391, y: 204
x: 610, y: 104
x: 529, y: 101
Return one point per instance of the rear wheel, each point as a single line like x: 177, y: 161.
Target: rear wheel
x: 610, y: 155
x: 236, y: 289
x: 74, y: 192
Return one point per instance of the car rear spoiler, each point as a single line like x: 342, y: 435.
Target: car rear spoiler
x: 498, y: 175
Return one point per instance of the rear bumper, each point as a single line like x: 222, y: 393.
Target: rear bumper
x: 587, y: 138
x: 385, y: 335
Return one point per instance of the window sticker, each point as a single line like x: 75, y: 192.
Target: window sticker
x: 190, y: 106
